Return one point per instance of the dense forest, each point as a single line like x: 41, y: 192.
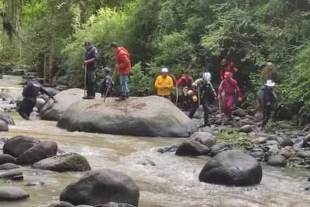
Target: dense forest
x: 192, y: 35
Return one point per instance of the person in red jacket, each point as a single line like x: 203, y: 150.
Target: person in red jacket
x: 227, y: 67
x: 227, y: 89
x: 185, y: 80
x: 123, y: 69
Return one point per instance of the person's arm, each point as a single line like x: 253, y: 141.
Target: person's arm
x: 94, y: 57
x: 238, y: 92
x: 42, y: 90
x: 220, y: 90
x: 170, y: 83
x: 197, y: 82
x: 180, y: 81
x: 157, y: 85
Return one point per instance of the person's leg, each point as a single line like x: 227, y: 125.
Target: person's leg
x: 26, y: 107
x: 206, y: 111
x: 194, y: 107
x: 123, y: 86
x: 229, y: 106
x: 266, y: 115
x: 126, y: 86
x: 92, y: 84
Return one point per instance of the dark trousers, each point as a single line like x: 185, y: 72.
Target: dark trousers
x: 266, y: 115
x: 205, y: 105
x: 91, y: 82
x: 27, y: 105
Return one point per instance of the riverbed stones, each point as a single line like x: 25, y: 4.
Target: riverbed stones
x: 284, y: 141
x: 62, y: 204
x: 220, y: 147
x: 192, y: 148
x: 38, y: 152
x: 232, y: 168
x: 7, y: 119
x: 14, y: 174
x: 102, y: 186
x: 151, y: 116
x: 12, y: 194
x: 8, y: 166
x: 246, y: 129
x: 112, y: 204
x: 171, y: 148
x: 239, y: 112
x: 6, y: 159
x: 64, y: 163
x: 52, y: 111
x: 277, y: 161
x: 40, y: 103
x: 18, y: 145
x: 303, y: 154
x: 205, y: 138
x: 4, y: 127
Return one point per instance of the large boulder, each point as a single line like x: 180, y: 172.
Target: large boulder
x: 18, y: 145
x: 64, y: 163
x: 62, y: 204
x: 12, y: 194
x: 6, y: 159
x: 38, y: 152
x: 8, y: 166
x: 192, y: 148
x: 102, y: 186
x: 204, y: 138
x: 4, y: 126
x: 52, y: 111
x: 152, y: 116
x: 232, y: 168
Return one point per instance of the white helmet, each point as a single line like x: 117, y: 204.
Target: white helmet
x: 164, y: 70
x: 206, y: 76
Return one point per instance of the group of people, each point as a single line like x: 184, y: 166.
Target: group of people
x: 195, y: 93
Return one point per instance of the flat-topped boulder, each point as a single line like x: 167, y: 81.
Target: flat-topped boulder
x: 52, y: 111
x: 151, y: 116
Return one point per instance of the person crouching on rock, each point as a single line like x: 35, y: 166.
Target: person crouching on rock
x: 203, y: 89
x: 30, y: 94
x: 229, y: 87
x: 164, y: 84
x: 107, y: 83
x: 266, y: 98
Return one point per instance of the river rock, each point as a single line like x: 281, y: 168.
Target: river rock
x: 284, y: 141
x: 151, y: 116
x: 112, y: 204
x: 7, y: 119
x: 204, y: 138
x: 286, y: 153
x: 221, y: 147
x: 303, y: 154
x: 102, y: 186
x: 64, y: 163
x: 62, y: 204
x: 53, y: 112
x: 40, y: 103
x: 18, y: 145
x: 192, y: 148
x: 246, y: 129
x: 8, y: 166
x: 12, y: 194
x: 38, y: 152
x: 171, y: 148
x: 239, y: 112
x: 276, y: 160
x: 11, y: 174
x: 232, y: 168
x: 3, y: 126
x: 6, y: 159
x: 307, y: 138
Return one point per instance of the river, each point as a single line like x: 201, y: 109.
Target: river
x: 173, y: 182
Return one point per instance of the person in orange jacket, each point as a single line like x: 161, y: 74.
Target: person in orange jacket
x: 228, y: 88
x: 123, y: 69
x: 164, y: 84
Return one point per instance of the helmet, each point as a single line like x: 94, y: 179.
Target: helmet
x: 106, y: 70
x: 206, y: 76
x: 164, y: 70
x: 228, y: 75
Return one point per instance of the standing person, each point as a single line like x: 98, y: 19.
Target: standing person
x: 164, y: 84
x: 107, y: 83
x: 229, y: 87
x: 91, y: 57
x: 123, y: 69
x: 30, y: 93
x: 227, y: 67
x: 185, y: 80
x: 204, y: 88
x: 266, y: 98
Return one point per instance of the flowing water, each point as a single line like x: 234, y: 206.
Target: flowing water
x: 173, y: 182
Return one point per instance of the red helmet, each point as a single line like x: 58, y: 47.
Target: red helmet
x: 228, y: 75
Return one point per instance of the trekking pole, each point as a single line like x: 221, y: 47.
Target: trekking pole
x: 85, y: 77
x: 109, y: 86
x: 176, y: 89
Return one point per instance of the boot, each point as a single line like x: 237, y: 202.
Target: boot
x: 23, y: 115
x: 121, y: 98
x: 89, y: 97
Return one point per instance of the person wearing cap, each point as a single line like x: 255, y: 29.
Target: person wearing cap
x: 164, y: 84
x: 91, y: 57
x: 30, y: 93
x: 123, y: 69
x: 266, y: 98
x: 204, y: 88
x: 185, y: 81
x: 227, y: 67
x: 107, y: 83
x: 227, y: 89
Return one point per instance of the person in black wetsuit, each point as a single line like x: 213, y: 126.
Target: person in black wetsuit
x: 30, y: 94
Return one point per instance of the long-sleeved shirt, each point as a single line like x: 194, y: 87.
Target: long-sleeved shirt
x: 206, y: 90
x: 90, y: 54
x: 229, y: 87
x: 33, y: 88
x: 164, y: 81
x: 185, y: 81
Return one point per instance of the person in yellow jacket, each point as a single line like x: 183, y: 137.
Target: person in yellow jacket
x: 164, y: 84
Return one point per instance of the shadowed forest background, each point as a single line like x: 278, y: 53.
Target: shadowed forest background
x: 183, y: 35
